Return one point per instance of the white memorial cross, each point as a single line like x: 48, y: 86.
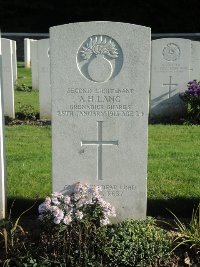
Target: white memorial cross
x: 170, y: 84
x: 99, y: 143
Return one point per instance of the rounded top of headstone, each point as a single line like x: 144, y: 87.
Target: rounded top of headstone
x: 100, y: 22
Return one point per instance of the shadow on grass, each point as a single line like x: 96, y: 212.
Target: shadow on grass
x: 18, y: 205
x: 181, y: 207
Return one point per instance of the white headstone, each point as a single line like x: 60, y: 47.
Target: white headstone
x: 34, y: 64
x: 195, y: 61
x: 100, y: 83
x: 44, y: 79
x: 2, y: 149
x: 27, y: 53
x: 8, y: 85
x: 170, y: 73
x: 14, y: 60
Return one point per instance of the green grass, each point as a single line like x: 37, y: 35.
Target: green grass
x: 173, y: 161
x: 173, y: 169
x: 25, y: 98
x: 24, y: 75
x: 173, y: 166
x: 28, y: 155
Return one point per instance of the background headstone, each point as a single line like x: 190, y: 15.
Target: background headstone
x: 2, y: 149
x: 8, y: 85
x: 34, y: 65
x: 195, y: 61
x: 27, y: 53
x: 44, y: 78
x: 14, y: 60
x: 170, y: 73
x: 100, y: 84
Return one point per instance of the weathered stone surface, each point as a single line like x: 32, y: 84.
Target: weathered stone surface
x: 44, y: 79
x: 14, y: 60
x: 170, y: 73
x: 195, y: 61
x: 8, y: 84
x: 34, y: 64
x: 27, y: 53
x: 100, y: 86
x: 2, y: 149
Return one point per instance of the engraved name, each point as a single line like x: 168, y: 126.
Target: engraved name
x: 96, y: 102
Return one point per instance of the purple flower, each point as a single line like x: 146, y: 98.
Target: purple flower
x: 79, y: 215
x: 67, y: 199
x: 104, y: 221
x: 56, y: 220
x: 63, y: 209
x: 57, y: 195
x: 67, y: 219
x: 48, y: 200
x: 59, y: 214
x: 43, y: 207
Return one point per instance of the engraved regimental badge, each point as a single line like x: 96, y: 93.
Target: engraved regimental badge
x: 171, y: 52
x: 99, y: 58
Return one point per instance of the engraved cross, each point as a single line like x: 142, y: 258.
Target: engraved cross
x: 99, y: 143
x: 170, y: 84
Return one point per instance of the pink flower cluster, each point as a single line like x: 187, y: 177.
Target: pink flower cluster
x: 64, y: 209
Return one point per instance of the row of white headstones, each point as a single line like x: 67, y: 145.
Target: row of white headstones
x: 9, y: 72
x: 40, y: 74
x: 37, y: 57
x: 175, y: 61
x: 169, y: 73
x: 100, y: 79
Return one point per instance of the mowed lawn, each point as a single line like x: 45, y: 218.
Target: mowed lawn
x: 28, y: 161
x: 173, y: 160
x: 25, y: 98
x: 173, y: 164
x: 173, y: 169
